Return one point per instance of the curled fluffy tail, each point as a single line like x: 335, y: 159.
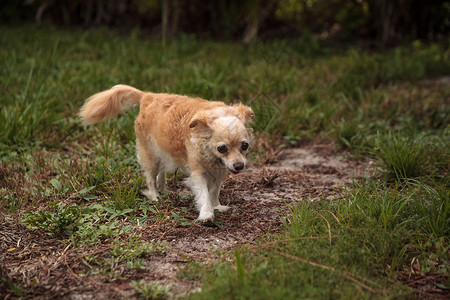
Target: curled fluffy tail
x: 109, y: 103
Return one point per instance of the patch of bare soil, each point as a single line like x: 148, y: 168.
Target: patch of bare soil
x: 48, y: 268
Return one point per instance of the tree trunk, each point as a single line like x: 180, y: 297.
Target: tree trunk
x: 165, y: 20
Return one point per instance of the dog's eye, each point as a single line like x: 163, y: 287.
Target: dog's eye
x: 244, y: 146
x: 222, y: 149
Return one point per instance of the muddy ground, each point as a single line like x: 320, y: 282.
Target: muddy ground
x: 49, y: 268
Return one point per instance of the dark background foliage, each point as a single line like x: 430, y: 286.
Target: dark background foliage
x: 380, y: 22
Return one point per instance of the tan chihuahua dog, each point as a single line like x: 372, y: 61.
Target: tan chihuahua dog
x: 201, y: 138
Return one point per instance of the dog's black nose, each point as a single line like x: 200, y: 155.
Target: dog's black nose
x: 238, y: 166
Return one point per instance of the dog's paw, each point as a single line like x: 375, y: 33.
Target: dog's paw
x: 222, y: 208
x: 205, y: 216
x: 150, y: 195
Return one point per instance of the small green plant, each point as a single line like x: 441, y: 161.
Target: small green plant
x: 7, y: 283
x: 433, y: 204
x: 61, y: 187
x: 402, y: 157
x: 135, y: 247
x: 125, y: 196
x: 150, y: 290
x: 131, y: 253
x: 351, y: 134
x: 239, y: 267
x: 181, y: 219
x: 60, y: 219
x: 98, y: 223
x: 82, y: 225
x: 85, y: 193
x: 10, y: 200
x: 29, y: 117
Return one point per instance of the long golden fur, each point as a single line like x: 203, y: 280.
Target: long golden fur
x: 201, y: 138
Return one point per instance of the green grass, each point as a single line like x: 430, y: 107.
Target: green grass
x: 81, y: 184
x: 352, y: 246
x: 46, y: 78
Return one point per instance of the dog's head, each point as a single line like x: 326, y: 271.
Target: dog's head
x: 225, y: 134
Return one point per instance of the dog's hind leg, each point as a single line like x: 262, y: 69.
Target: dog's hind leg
x: 161, y: 181
x: 150, y: 165
x: 151, y: 192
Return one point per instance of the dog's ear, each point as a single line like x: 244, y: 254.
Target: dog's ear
x: 200, y: 123
x: 243, y: 112
x: 199, y: 120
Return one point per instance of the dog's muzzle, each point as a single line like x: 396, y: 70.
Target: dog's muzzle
x: 237, y: 167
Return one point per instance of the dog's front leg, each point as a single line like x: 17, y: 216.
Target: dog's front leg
x: 199, y: 187
x: 214, y: 184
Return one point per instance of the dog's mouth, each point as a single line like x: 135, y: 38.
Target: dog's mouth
x: 233, y: 171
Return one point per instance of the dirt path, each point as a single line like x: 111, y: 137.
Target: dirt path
x: 258, y: 199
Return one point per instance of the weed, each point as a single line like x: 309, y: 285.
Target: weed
x: 403, y: 157
x: 82, y: 225
x: 351, y: 134
x: 433, y: 204
x: 133, y: 250
x: 61, y: 219
x: 150, y: 290
x: 126, y: 196
x: 84, y: 193
x: 239, y: 266
x: 96, y: 225
x: 134, y: 247
x: 7, y: 283
x: 182, y: 221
